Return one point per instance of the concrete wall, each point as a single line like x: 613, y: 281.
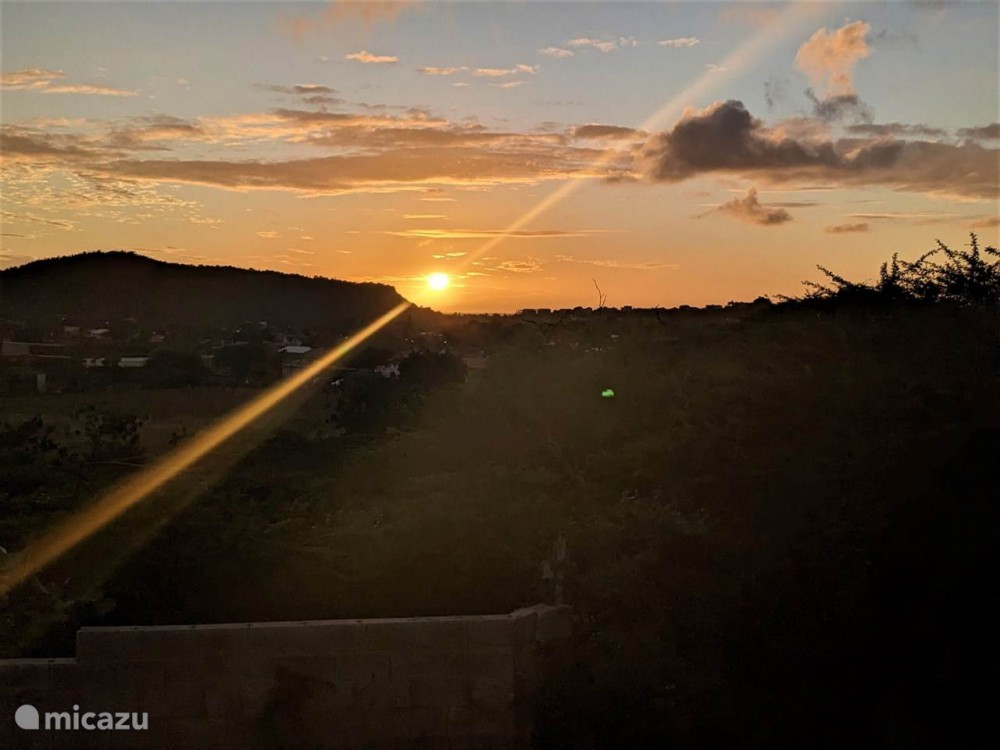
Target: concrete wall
x: 454, y: 682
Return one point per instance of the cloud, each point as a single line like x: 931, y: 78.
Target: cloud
x: 54, y: 122
x: 44, y: 82
x: 29, y: 79
x: 442, y: 71
x: 321, y: 127
x: 322, y: 100
x: 83, y: 88
x: 896, y: 215
x: 31, y: 219
x: 504, y: 72
x: 303, y: 89
x: 683, y: 41
x: 895, y: 129
x: 382, y: 149
x: 611, y: 263
x: 604, y: 45
x: 367, y: 12
x: 509, y: 84
x: 915, y: 217
x: 847, y: 228
x: 829, y: 58
x: 795, y: 204
x: 476, y: 234
x: 987, y: 222
x: 377, y: 152
x: 393, y: 169
x: 713, y: 68
x: 750, y: 210
x: 774, y: 91
x: 556, y: 52
x: 145, y: 132
x: 605, y: 131
x: 364, y: 56
x: 424, y: 216
x: 268, y: 235
x: 528, y: 265
x: 984, y: 132
x: 725, y: 137
x: 17, y: 144
x: 840, y: 107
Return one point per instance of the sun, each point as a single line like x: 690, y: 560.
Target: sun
x: 437, y: 281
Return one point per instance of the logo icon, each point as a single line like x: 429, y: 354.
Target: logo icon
x: 26, y: 717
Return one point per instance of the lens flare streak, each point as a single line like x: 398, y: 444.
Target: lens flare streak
x: 116, y: 502
x: 134, y: 490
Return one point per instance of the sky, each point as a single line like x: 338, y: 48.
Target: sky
x: 672, y: 152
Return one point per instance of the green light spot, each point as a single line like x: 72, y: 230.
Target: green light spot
x: 607, y: 393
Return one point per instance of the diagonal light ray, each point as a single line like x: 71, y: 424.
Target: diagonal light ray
x: 110, y: 506
x: 791, y: 19
x: 113, y: 504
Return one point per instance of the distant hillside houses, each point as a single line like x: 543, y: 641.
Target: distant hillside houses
x: 294, y: 358
x: 32, y: 350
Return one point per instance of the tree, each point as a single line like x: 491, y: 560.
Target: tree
x: 112, y: 434
x: 424, y: 370
x: 169, y: 369
x: 243, y: 360
x: 965, y: 277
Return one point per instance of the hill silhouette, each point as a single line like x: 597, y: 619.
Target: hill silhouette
x: 93, y: 288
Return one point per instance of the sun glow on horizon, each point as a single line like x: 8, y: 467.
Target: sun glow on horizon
x: 438, y: 281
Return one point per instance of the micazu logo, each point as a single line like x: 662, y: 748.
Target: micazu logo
x: 28, y: 717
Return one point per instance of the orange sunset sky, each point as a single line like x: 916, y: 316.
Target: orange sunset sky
x: 679, y: 153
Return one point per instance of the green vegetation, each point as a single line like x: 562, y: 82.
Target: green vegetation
x: 782, y: 525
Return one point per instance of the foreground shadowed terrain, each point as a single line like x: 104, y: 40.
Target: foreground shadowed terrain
x: 780, y: 530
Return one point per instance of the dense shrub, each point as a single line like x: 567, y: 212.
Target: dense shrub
x: 943, y: 275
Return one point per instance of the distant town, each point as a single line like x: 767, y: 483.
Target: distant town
x: 60, y: 355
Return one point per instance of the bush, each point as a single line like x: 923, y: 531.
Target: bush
x: 426, y: 370
x: 961, y: 277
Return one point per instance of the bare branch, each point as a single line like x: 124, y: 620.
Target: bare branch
x: 601, y: 297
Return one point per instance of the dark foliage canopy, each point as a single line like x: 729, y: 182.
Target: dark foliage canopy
x: 965, y: 277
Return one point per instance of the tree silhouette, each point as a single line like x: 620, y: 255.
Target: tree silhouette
x: 963, y: 277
